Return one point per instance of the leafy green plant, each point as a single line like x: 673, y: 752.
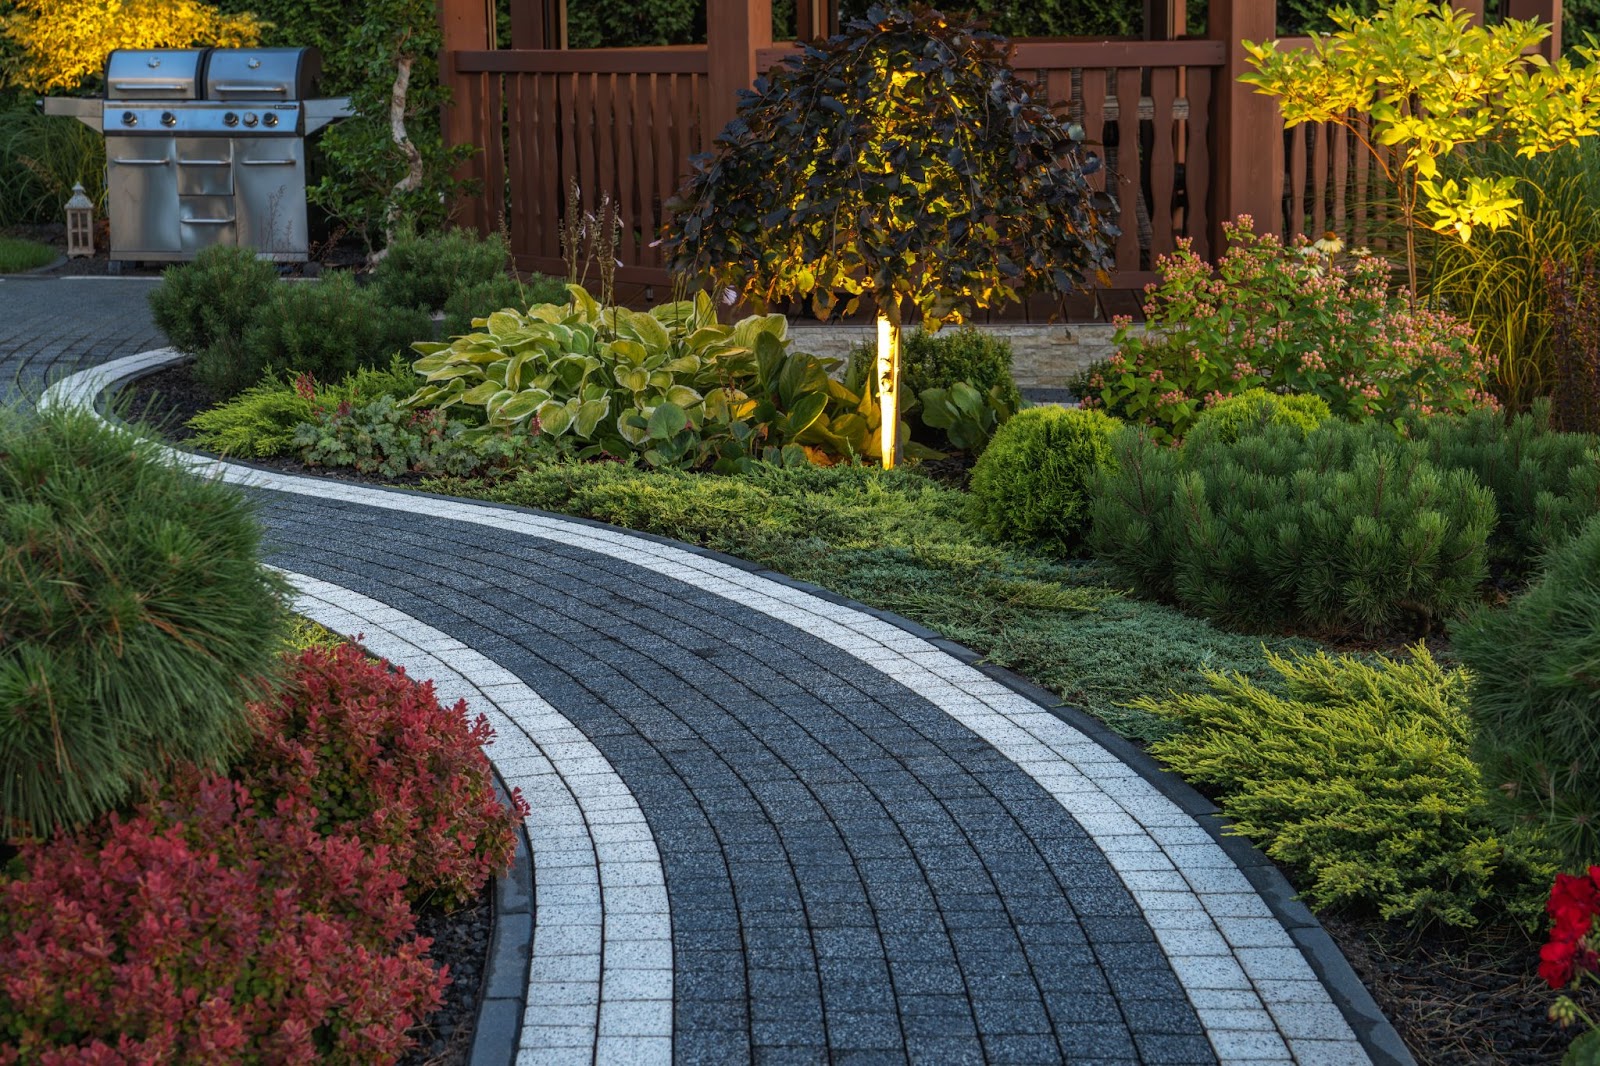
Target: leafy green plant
x: 327, y: 328
x: 46, y: 155
x: 1536, y: 701
x: 1359, y: 775
x: 1497, y: 282
x: 672, y: 387
x: 901, y: 162
x: 1033, y: 485
x: 967, y: 417
x: 382, y: 437
x: 1546, y: 484
x: 1423, y: 80
x: 1346, y: 529
x: 261, y: 421
x: 212, y: 299
x: 1290, y: 320
x: 1228, y: 420
x: 135, y: 618
x: 939, y: 360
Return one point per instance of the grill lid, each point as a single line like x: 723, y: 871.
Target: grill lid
x: 262, y: 74
x: 154, y: 74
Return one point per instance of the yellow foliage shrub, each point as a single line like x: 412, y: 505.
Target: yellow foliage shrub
x: 64, y: 42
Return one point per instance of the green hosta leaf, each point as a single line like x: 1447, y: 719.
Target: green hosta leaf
x: 667, y: 421
x: 428, y: 348
x: 683, y: 396
x: 936, y: 411
x: 647, y: 330
x: 746, y: 331
x: 804, y: 413
x: 708, y: 338
x: 587, y: 309
x: 554, y: 417
x: 632, y: 351
x: 633, y: 428
x: 967, y: 399
x: 519, y: 406
x: 504, y: 324
x: 590, y: 414
x: 481, y: 392
x: 634, y: 379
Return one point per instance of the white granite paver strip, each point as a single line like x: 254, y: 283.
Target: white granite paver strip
x: 575, y: 887
x: 1130, y: 821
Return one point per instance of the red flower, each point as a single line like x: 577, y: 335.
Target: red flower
x: 1574, y: 904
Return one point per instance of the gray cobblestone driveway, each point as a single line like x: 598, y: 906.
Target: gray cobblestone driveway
x: 50, y: 327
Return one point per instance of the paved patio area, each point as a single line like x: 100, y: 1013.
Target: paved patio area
x: 772, y: 826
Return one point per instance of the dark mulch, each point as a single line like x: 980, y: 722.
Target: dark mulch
x: 1460, y: 999
x: 460, y: 942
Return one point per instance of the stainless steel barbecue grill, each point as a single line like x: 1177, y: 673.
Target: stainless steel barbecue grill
x: 207, y: 146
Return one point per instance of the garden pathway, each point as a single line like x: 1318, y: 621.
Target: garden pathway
x: 770, y: 825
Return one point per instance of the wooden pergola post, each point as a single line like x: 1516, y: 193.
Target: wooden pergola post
x: 1545, y: 11
x: 465, y: 27
x: 1247, y: 130
x: 735, y: 29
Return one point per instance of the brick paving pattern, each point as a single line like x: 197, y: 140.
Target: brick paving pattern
x: 51, y: 327
x: 871, y: 852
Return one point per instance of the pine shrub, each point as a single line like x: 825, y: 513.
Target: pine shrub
x: 326, y: 329
x: 216, y: 297
x: 1536, y: 700
x: 480, y: 299
x: 135, y: 618
x: 1229, y: 419
x: 1546, y: 483
x: 1346, y: 529
x: 422, y: 271
x: 1360, y: 776
x: 1032, y: 485
x: 376, y: 755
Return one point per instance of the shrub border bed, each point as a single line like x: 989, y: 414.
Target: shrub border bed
x: 1376, y: 1034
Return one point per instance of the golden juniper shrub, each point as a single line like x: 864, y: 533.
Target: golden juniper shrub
x: 1359, y: 776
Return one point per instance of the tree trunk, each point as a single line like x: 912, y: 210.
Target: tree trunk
x: 397, y: 129
x: 889, y: 390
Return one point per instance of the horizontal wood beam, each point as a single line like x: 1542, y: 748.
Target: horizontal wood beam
x: 1055, y: 55
x: 668, y: 59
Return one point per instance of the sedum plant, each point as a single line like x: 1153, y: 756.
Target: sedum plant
x: 1416, y: 81
x: 901, y: 163
x: 135, y: 619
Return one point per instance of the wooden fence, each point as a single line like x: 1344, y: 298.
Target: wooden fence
x: 1185, y: 146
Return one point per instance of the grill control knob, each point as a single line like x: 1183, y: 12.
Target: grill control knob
x: 168, y: 118
x: 250, y: 119
x: 230, y: 119
x: 269, y: 119
x: 129, y: 118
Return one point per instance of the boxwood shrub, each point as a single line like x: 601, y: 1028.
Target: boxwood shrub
x: 1033, y: 483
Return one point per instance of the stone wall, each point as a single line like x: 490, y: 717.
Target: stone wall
x: 1046, y: 355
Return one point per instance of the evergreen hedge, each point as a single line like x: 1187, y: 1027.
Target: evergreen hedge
x: 1033, y: 483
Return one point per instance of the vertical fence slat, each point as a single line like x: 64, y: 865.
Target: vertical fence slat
x: 1128, y: 191
x: 605, y: 132
x: 1297, y: 183
x: 1197, y: 165
x: 520, y: 215
x: 1163, y: 168
x: 587, y: 128
x: 627, y: 187
x: 548, y: 166
x: 494, y: 151
x: 1094, y: 125
x: 661, y: 130
x: 643, y: 92
x: 1363, y: 162
x: 1339, y: 148
x: 1320, y: 179
x: 569, y: 138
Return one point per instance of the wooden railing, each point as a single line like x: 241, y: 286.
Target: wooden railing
x: 620, y: 123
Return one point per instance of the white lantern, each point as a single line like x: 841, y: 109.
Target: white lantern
x: 80, y: 224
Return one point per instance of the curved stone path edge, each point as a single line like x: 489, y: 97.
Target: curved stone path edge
x: 1263, y: 978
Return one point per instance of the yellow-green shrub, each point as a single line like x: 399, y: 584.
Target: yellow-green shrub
x: 1033, y: 483
x: 1359, y: 776
x: 1228, y: 419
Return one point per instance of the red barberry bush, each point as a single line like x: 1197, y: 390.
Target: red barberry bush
x: 373, y: 751
x: 203, y: 929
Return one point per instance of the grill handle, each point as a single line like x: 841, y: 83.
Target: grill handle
x: 151, y: 86
x: 231, y: 87
x: 204, y: 162
x: 269, y: 162
x: 207, y: 221
x: 141, y: 162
